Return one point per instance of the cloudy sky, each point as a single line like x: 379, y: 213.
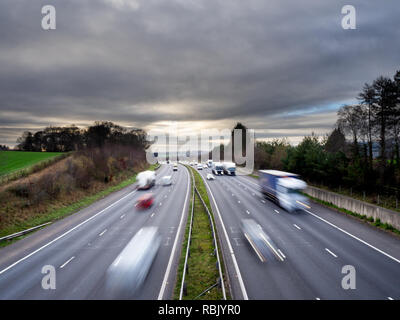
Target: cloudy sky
x: 281, y: 67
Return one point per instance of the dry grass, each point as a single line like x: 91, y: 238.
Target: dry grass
x: 62, y: 184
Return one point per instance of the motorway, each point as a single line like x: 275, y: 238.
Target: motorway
x: 315, y: 245
x: 82, y: 246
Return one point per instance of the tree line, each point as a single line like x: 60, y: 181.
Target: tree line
x: 362, y: 151
x: 72, y: 138
x: 4, y: 148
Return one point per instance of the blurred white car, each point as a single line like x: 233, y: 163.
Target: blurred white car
x: 210, y: 176
x: 205, y: 166
x: 199, y: 167
x: 126, y: 275
x: 166, y: 180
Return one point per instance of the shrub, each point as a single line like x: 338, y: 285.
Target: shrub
x: 21, y: 190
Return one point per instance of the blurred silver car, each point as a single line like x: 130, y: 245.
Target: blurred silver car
x: 126, y: 275
x: 210, y: 176
x: 166, y: 180
x: 259, y: 241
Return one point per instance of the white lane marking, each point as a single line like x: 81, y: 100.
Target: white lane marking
x: 354, y: 237
x: 284, y: 257
x: 123, y: 216
x: 238, y: 201
x: 167, y: 242
x: 297, y: 226
x: 64, y: 234
x: 152, y: 215
x: 248, y: 212
x: 236, y: 241
x: 66, y: 262
x: 276, y: 211
x: 160, y: 204
x: 235, y: 264
x: 103, y: 233
x: 331, y: 252
x: 390, y: 298
x: 271, y: 247
x: 171, y: 258
x: 262, y: 201
x: 317, y: 298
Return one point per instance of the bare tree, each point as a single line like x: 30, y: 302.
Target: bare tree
x: 367, y: 98
x: 350, y: 122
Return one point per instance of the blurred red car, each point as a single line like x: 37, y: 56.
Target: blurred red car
x: 145, y: 201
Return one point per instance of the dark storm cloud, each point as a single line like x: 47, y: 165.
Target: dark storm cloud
x: 139, y: 62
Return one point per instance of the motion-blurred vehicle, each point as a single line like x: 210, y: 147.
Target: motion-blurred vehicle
x: 145, y: 201
x: 259, y: 241
x: 166, y: 180
x: 229, y: 168
x: 210, y: 176
x: 199, y: 167
x: 209, y: 163
x: 205, y: 166
x: 126, y: 275
x: 284, y: 188
x: 175, y: 167
x: 217, y: 168
x: 145, y: 180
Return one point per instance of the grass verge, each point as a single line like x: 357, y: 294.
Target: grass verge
x: 202, y: 270
x: 363, y: 217
x: 183, y: 252
x: 59, y: 213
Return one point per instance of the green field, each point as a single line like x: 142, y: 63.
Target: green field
x: 12, y: 161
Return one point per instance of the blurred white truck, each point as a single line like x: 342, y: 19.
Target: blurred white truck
x: 229, y: 168
x: 284, y: 188
x: 217, y: 168
x: 145, y: 180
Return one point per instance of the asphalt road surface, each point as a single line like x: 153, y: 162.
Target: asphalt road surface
x: 82, y: 246
x: 316, y: 245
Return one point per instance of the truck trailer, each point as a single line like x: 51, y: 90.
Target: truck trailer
x: 145, y: 180
x: 284, y: 188
x: 229, y: 168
